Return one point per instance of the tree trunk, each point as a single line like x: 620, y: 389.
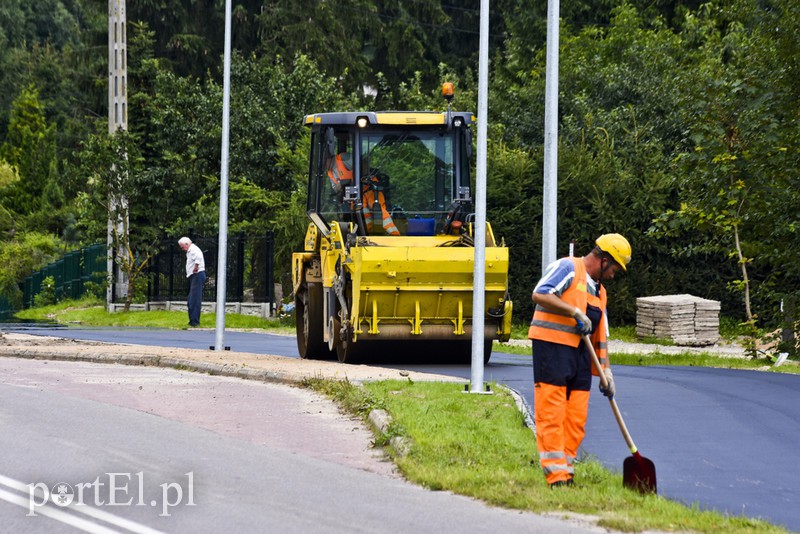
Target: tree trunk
x: 745, y: 279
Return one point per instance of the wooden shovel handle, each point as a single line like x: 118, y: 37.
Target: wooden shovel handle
x: 614, y: 407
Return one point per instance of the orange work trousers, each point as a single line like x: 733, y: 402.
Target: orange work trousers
x: 388, y: 224
x: 562, y: 380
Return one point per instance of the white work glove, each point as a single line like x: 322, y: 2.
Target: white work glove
x: 584, y: 323
x: 610, y: 389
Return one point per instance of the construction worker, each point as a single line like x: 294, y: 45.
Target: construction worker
x: 570, y: 302
x: 340, y: 173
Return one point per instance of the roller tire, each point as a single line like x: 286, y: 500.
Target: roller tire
x: 309, y: 323
x: 349, y: 352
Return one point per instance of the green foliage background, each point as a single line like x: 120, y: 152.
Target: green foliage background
x: 678, y: 126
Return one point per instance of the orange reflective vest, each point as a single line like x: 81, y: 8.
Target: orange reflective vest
x: 554, y: 327
x: 340, y: 174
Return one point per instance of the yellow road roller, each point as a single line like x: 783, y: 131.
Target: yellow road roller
x: 386, y: 269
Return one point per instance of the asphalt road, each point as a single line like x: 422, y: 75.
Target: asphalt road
x: 725, y: 440
x: 158, y: 450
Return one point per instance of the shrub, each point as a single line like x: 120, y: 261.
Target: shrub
x: 47, y: 295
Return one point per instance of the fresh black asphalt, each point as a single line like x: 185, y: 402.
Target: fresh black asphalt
x: 727, y: 440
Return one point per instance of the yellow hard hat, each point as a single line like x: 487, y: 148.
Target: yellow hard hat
x: 617, y: 246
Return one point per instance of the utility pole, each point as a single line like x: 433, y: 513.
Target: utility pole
x: 117, y: 120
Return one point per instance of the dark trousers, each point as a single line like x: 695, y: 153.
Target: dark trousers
x: 562, y: 365
x: 195, y: 300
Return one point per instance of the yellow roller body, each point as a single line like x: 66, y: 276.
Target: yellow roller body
x: 418, y: 288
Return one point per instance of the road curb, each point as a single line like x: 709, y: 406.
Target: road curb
x: 248, y: 366
x: 145, y: 360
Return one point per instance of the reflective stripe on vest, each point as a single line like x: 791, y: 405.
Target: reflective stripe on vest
x: 553, y: 325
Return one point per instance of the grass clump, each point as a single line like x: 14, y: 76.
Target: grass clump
x: 350, y: 397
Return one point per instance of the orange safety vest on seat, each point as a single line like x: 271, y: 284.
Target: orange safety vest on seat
x: 554, y: 327
x: 340, y: 174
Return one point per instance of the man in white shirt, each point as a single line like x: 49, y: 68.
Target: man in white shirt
x: 196, y: 273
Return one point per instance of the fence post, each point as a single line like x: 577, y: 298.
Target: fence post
x: 240, y: 241
x: 270, y: 273
x: 59, y: 275
x: 82, y: 261
x: 38, y: 276
x: 171, y: 283
x: 150, y: 271
x: 788, y: 310
x: 112, y: 275
x: 27, y: 294
x: 72, y: 262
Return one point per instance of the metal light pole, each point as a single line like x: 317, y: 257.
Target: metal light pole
x: 222, y: 257
x: 550, y: 197
x: 479, y: 273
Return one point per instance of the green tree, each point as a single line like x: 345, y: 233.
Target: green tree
x: 30, y: 147
x: 337, y: 35
x: 114, y: 166
x: 514, y: 209
x: 60, y: 46
x: 618, y: 129
x: 53, y: 21
x: 189, y: 34
x: 20, y: 257
x: 738, y: 176
x: 776, y: 61
x: 735, y: 166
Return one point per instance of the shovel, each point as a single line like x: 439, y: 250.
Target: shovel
x: 638, y: 472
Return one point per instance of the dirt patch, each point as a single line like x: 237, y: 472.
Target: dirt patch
x: 48, y: 341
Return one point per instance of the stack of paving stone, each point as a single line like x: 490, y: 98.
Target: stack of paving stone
x: 685, y: 319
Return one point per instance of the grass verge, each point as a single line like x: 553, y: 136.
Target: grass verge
x: 687, y: 358
x: 478, y: 445
x: 93, y: 313
x: 702, y: 359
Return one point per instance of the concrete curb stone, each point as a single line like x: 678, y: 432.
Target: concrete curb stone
x: 249, y: 366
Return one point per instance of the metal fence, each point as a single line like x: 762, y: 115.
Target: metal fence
x: 72, y: 274
x: 6, y: 310
x: 250, y: 268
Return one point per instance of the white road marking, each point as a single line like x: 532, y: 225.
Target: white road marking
x: 72, y: 520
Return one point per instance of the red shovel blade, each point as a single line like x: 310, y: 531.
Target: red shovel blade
x: 639, y: 473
